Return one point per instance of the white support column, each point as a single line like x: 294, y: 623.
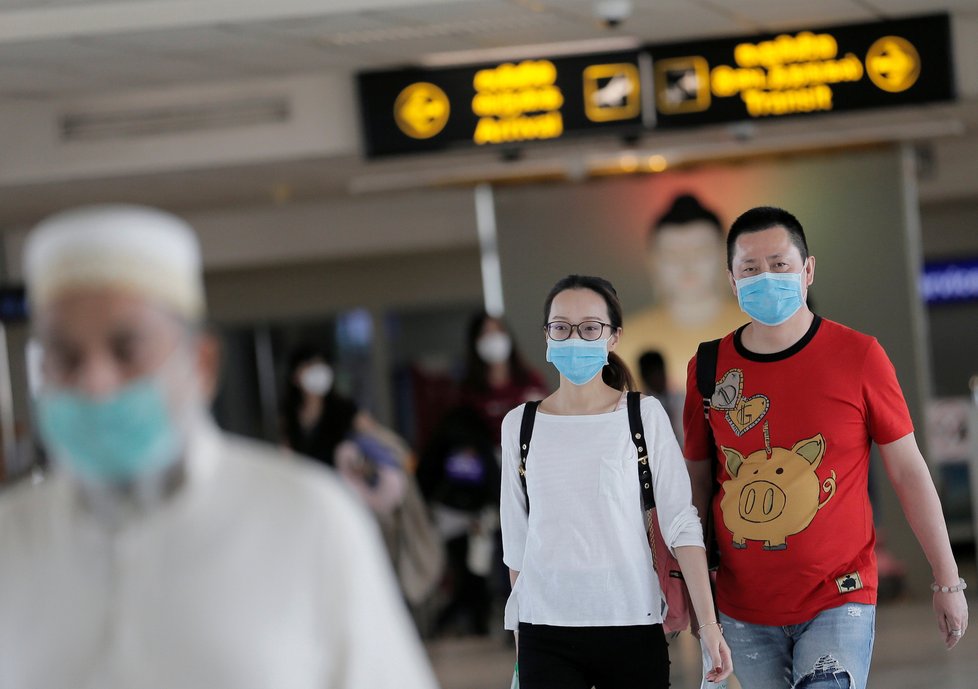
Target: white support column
x: 492, y: 281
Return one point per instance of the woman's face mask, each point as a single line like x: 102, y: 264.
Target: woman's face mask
x: 316, y: 379
x: 579, y: 361
x: 494, y: 348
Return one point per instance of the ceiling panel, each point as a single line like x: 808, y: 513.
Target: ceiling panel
x: 769, y: 15
x: 232, y: 52
x: 27, y: 82
x: 901, y: 7
x: 317, y: 27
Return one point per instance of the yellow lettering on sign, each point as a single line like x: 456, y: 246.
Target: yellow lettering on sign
x: 727, y: 81
x: 511, y: 103
x: 527, y: 128
x: 765, y: 103
x: 510, y: 77
x: 517, y: 102
x: 785, y: 49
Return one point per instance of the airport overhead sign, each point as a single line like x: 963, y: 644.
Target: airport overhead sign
x: 833, y: 69
x: 511, y: 103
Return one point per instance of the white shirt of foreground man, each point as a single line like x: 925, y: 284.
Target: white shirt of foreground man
x: 162, y: 552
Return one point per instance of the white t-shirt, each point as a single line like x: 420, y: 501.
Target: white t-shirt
x: 262, y: 571
x: 583, y: 555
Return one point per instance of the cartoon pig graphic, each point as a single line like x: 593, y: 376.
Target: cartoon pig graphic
x: 774, y: 493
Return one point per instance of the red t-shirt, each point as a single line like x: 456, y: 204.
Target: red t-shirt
x: 792, y: 437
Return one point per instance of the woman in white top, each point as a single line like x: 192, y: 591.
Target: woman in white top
x: 585, y: 599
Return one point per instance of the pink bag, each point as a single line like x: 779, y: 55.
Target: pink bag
x: 670, y: 577
x: 671, y: 581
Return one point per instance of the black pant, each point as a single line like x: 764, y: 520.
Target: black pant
x: 600, y: 657
x: 470, y: 602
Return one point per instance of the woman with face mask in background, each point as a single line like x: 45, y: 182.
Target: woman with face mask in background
x: 586, y: 600
x: 496, y: 377
x: 321, y: 423
x: 459, y: 473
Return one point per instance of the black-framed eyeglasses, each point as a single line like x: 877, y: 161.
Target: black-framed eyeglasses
x: 586, y: 330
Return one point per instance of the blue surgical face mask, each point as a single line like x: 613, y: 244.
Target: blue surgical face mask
x: 114, y: 439
x: 771, y: 298
x: 579, y: 361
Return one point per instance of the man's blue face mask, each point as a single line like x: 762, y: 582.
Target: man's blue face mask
x: 771, y: 298
x: 579, y: 361
x: 114, y: 439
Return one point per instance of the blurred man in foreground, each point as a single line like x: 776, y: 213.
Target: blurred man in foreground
x: 161, y: 552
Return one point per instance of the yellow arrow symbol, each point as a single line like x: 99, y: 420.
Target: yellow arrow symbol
x: 893, y: 64
x: 421, y: 110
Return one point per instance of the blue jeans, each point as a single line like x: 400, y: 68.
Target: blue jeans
x: 833, y: 649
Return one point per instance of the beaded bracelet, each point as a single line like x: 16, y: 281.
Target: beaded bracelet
x: 960, y: 586
x: 698, y: 629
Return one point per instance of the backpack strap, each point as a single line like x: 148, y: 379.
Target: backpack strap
x: 637, y: 434
x: 706, y: 372
x: 706, y: 382
x: 526, y: 432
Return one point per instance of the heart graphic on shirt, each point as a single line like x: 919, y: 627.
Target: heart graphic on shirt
x: 726, y: 394
x: 748, y: 413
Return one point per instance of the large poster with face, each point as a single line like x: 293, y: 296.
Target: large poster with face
x: 660, y: 239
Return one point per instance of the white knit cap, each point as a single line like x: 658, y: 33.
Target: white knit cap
x: 136, y: 249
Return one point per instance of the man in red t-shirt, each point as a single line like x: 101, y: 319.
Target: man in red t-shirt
x: 797, y: 403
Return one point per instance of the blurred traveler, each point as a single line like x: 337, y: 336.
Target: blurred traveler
x: 652, y: 371
x: 798, y: 400
x: 586, y: 599
x: 496, y: 377
x: 459, y: 477
x: 161, y: 552
x: 319, y: 422
x: 684, y: 257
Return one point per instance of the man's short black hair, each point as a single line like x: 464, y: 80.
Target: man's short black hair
x: 686, y: 209
x: 764, y: 218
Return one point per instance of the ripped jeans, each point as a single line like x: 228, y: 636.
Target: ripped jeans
x: 833, y: 649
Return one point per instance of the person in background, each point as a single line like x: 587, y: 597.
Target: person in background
x: 586, y: 600
x: 652, y: 371
x: 459, y: 477
x: 496, y: 377
x: 321, y: 423
x: 684, y: 255
x: 160, y: 551
x: 781, y: 458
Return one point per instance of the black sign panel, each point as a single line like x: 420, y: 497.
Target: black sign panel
x: 833, y: 69
x: 540, y: 99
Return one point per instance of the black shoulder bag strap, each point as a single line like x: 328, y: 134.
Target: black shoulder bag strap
x: 637, y: 431
x: 526, y: 431
x: 706, y: 383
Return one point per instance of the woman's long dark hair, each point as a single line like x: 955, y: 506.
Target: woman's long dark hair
x: 615, y: 373
x: 476, y: 377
